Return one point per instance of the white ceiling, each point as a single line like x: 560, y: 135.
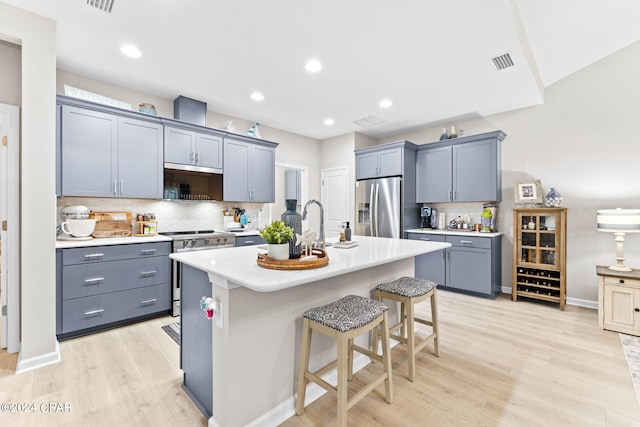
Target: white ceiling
x: 430, y: 58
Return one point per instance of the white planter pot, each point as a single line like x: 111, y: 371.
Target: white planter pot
x: 279, y: 251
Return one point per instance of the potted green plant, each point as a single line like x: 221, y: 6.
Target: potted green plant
x: 277, y: 235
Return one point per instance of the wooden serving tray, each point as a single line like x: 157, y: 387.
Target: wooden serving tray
x: 112, y: 224
x: 265, y: 261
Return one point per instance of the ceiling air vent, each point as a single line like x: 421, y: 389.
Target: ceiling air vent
x: 369, y: 121
x: 503, y: 61
x: 105, y: 5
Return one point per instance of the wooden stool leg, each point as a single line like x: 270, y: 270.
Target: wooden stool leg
x: 343, y: 349
x: 305, y: 349
x: 386, y: 358
x: 411, y: 339
x: 434, y: 322
x: 403, y: 319
x: 350, y: 361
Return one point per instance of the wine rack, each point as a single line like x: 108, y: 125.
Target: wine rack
x: 539, y: 254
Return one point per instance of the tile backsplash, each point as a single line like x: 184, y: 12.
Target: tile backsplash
x: 471, y: 209
x: 171, y: 215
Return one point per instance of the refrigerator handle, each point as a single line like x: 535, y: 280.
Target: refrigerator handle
x: 371, y: 209
x: 376, y: 205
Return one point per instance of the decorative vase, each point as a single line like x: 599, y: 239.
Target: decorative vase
x: 278, y: 251
x: 294, y: 220
x: 444, y: 134
x: 452, y: 133
x: 553, y: 199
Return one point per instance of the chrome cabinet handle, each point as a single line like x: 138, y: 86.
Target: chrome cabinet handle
x: 93, y: 312
x: 148, y: 273
x: 114, y: 186
x: 466, y: 241
x: 148, y: 251
x: 94, y: 280
x: 450, y: 192
x: 121, y: 187
x: 197, y: 157
x: 425, y: 238
x: 148, y: 301
x: 90, y: 256
x: 249, y: 242
x: 192, y: 156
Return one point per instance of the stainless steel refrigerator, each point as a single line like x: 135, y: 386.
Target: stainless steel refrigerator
x: 379, y: 207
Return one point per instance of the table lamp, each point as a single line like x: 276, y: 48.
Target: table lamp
x: 619, y: 221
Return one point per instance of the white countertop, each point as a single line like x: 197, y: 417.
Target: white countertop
x: 454, y: 232
x: 62, y: 244
x: 239, y: 266
x: 244, y: 233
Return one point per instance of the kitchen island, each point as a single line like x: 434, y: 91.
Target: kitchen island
x: 240, y: 368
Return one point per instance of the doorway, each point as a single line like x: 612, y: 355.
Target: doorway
x: 279, y: 206
x: 335, y: 198
x: 10, y: 227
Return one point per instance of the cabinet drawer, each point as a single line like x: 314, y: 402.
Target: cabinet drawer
x: 469, y: 242
x: 89, y: 312
x: 82, y: 280
x: 426, y: 237
x: 621, y: 281
x: 249, y: 241
x: 115, y: 252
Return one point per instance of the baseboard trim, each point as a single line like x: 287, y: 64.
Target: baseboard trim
x: 570, y: 301
x: 25, y: 365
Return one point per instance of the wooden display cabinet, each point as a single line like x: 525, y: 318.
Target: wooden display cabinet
x: 539, y: 252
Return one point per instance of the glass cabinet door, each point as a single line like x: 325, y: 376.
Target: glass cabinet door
x: 538, y: 242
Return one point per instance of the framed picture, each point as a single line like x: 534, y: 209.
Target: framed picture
x: 527, y: 191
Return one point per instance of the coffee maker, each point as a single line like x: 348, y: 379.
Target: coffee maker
x: 425, y: 216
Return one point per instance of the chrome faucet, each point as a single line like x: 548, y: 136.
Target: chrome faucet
x: 319, y: 243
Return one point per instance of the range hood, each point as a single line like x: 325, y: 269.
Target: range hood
x: 191, y: 168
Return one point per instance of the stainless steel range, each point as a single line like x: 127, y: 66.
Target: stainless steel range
x: 184, y: 241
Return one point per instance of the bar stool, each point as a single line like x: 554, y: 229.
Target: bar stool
x: 409, y: 291
x: 343, y: 320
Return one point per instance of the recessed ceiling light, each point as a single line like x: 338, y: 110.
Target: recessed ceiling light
x: 385, y: 103
x: 257, y: 96
x: 329, y: 122
x: 313, y: 66
x: 131, y: 51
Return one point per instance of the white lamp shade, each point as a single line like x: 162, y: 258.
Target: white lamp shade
x: 619, y: 220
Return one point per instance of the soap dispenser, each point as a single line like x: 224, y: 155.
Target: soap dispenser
x: 347, y: 232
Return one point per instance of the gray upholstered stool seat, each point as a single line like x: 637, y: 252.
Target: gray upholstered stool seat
x: 410, y: 291
x: 407, y: 287
x: 343, y: 320
x: 350, y: 312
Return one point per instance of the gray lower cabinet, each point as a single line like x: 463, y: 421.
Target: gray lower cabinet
x: 196, y: 336
x: 462, y: 170
x: 189, y: 147
x: 471, y: 264
x: 249, y: 170
x: 103, y: 286
x: 249, y: 240
x: 107, y: 155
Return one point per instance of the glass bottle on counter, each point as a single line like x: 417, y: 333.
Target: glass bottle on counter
x: 294, y: 220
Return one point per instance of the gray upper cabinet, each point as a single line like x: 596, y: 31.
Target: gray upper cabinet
x: 188, y: 147
x: 140, y: 172
x: 374, y: 162
x: 89, y: 152
x: 107, y: 155
x: 249, y: 170
x: 466, y: 169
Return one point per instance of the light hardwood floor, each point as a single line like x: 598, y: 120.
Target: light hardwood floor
x: 502, y: 363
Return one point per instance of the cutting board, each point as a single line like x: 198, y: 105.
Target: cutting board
x: 112, y: 224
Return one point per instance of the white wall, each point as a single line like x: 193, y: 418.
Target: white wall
x: 37, y: 36
x: 582, y: 141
